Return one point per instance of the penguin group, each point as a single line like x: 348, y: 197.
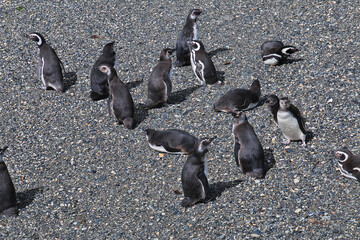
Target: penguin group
x: 248, y: 151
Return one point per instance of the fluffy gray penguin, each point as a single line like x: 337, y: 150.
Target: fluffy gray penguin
x: 120, y: 102
x: 290, y: 122
x: 248, y: 151
x: 174, y: 141
x: 273, y: 52
x: 99, y: 80
x: 239, y: 99
x: 349, y: 164
x: 159, y: 85
x: 49, y: 65
x: 273, y: 104
x: 189, y: 32
x: 7, y: 190
x: 194, y: 174
x: 202, y: 64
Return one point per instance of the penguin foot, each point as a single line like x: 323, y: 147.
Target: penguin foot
x: 303, y: 144
x: 287, y: 141
x: 188, y: 202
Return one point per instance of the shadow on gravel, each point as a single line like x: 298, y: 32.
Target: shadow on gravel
x: 216, y: 189
x: 269, y: 159
x: 309, y: 136
x: 70, y: 79
x: 221, y: 76
x: 131, y: 85
x: 216, y: 51
x: 290, y: 61
x: 180, y: 96
x: 141, y: 113
x: 25, y: 198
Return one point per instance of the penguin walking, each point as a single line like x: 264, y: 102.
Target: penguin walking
x: 173, y: 141
x: 120, y: 102
x: 273, y: 52
x: 159, y: 85
x: 194, y: 174
x: 349, y: 164
x: 239, y: 99
x: 98, y: 80
x: 248, y: 151
x: 189, y: 32
x: 202, y: 64
x: 7, y: 190
x: 288, y: 118
x: 48, y: 68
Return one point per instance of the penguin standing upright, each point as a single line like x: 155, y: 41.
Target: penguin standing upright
x: 98, y: 80
x: 202, y: 64
x: 248, y: 151
x: 120, y: 102
x: 7, y: 190
x: 189, y: 32
x: 239, y: 99
x: 194, y: 174
x: 273, y: 52
x: 48, y: 68
x: 288, y: 118
x: 349, y: 164
x: 159, y: 85
x: 174, y: 141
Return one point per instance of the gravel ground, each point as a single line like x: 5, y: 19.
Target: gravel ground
x: 79, y: 175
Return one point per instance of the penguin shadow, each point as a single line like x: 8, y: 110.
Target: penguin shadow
x: 269, y: 159
x: 131, y: 85
x: 181, y: 95
x: 216, y: 189
x: 25, y: 198
x: 221, y: 76
x: 290, y: 61
x: 141, y: 113
x: 70, y: 79
x: 309, y: 136
x: 216, y: 51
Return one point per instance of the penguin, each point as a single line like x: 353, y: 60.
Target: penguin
x: 120, y: 102
x: 248, y: 151
x: 273, y: 52
x: 348, y: 163
x: 239, y: 99
x: 7, y: 190
x: 173, y: 141
x: 288, y: 118
x: 159, y: 85
x: 98, y: 80
x: 48, y: 69
x: 194, y: 174
x: 189, y: 32
x: 202, y: 64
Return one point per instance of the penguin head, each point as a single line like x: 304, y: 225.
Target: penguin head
x: 109, y: 47
x: 285, y: 103
x: 343, y: 154
x: 272, y: 100
x: 287, y: 50
x: 105, y: 68
x: 239, y: 116
x: 166, y: 53
x: 203, y: 143
x: 37, y: 37
x: 2, y: 153
x: 148, y: 131
x: 195, y: 45
x: 194, y: 13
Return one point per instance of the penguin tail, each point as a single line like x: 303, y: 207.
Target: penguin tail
x: 188, y: 202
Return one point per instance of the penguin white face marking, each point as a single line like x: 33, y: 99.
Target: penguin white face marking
x: 104, y: 69
x: 356, y: 169
x: 195, y: 32
x: 272, y: 59
x: 36, y: 38
x: 342, y: 156
x: 289, y: 50
x: 284, y: 103
x: 42, y: 72
x: 195, y: 46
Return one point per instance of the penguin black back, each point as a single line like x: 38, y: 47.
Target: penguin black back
x: 98, y: 80
x: 7, y: 190
x: 273, y: 52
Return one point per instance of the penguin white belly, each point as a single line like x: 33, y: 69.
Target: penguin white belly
x: 271, y: 61
x: 203, y: 195
x: 251, y: 106
x: 289, y: 125
x: 195, y: 32
x: 206, y: 171
x: 162, y: 149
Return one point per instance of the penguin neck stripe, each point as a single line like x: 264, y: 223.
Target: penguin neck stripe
x: 346, y: 156
x: 272, y: 55
x: 39, y: 42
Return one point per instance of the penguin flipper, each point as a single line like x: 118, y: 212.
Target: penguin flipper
x: 295, y: 111
x: 200, y: 70
x: 236, y: 153
x: 188, y: 202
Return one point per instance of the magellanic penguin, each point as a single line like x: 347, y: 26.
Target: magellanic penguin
x: 194, y: 174
x: 248, y: 151
x: 202, y: 64
x: 239, y: 99
x: 99, y: 80
x: 189, y: 32
x: 288, y: 118
x: 349, y: 164
x: 49, y: 65
x: 171, y: 141
x: 120, y: 102
x: 159, y: 85
x: 273, y: 52
x: 7, y: 190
